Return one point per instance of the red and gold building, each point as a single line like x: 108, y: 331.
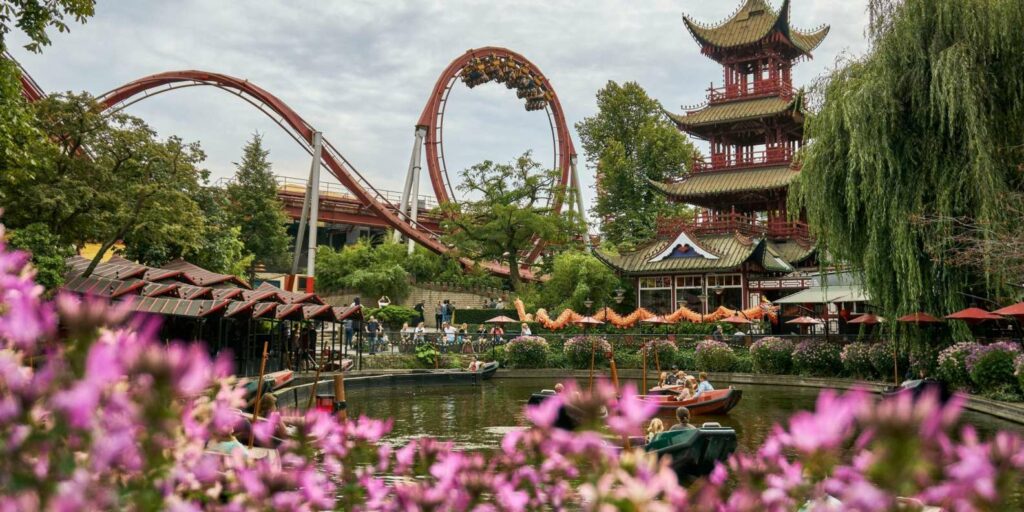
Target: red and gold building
x: 743, y: 244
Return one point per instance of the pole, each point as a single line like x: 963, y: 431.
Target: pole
x: 657, y: 362
x: 414, y: 196
x: 300, y: 231
x: 259, y: 395
x: 403, y: 206
x: 316, y: 379
x: 592, y: 365
x: 314, y: 210
x: 643, y: 376
x: 340, y: 405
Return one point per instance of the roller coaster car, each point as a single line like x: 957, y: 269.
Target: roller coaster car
x: 526, y: 93
x: 532, y: 105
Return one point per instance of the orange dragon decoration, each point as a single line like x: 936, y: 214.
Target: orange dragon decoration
x: 567, y: 317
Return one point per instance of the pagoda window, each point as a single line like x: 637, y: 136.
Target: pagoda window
x: 688, y: 293
x: 725, y: 290
x: 655, y: 294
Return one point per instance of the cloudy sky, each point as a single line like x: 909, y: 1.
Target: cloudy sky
x: 361, y: 71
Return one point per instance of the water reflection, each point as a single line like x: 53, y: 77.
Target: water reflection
x: 475, y: 417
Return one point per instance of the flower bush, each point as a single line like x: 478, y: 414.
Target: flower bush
x: 578, y: 351
x: 817, y: 357
x: 856, y: 358
x: 992, y: 366
x: 772, y: 355
x: 664, y: 349
x: 686, y: 359
x: 1018, y: 365
x: 882, y: 359
x: 101, y: 415
x: 527, y: 352
x: 714, y: 356
x: 952, y: 367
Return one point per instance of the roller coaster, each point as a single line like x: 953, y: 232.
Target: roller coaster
x: 473, y: 68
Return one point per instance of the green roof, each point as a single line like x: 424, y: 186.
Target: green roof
x: 712, y: 183
x: 735, y: 111
x: 792, y: 251
x: 754, y: 21
x: 730, y: 250
x: 826, y: 294
x: 772, y: 260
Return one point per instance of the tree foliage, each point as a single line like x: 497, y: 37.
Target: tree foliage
x: 510, y: 208
x: 48, y: 252
x: 576, y: 277
x: 629, y: 141
x: 106, y: 178
x: 256, y: 208
x: 929, y: 124
x: 34, y: 17
x: 18, y: 135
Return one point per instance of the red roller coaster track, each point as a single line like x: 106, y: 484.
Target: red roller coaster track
x: 538, y: 94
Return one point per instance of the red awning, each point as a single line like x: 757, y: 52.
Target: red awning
x: 805, y: 320
x: 1016, y: 311
x: 973, y: 315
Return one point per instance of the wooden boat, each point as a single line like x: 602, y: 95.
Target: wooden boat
x: 719, y: 401
x: 694, y: 452
x: 665, y: 390
x: 271, y: 382
x: 566, y: 420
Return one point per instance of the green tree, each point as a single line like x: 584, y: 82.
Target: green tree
x: 49, y: 253
x: 628, y: 142
x: 511, y: 210
x: 928, y: 124
x: 256, y: 208
x: 576, y: 277
x: 18, y: 134
x: 106, y: 178
x: 33, y: 17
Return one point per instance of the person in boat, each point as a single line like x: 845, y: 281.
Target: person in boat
x: 474, y: 365
x: 681, y: 377
x: 559, y: 388
x: 682, y: 420
x: 685, y: 391
x: 704, y: 385
x: 663, y: 380
x: 656, y: 427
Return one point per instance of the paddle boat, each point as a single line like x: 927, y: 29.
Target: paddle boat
x: 694, y: 452
x: 920, y: 387
x: 271, y: 382
x: 719, y: 401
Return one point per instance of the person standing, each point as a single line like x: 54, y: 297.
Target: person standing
x: 438, y: 315
x: 349, y: 332
x: 446, y: 313
x: 419, y: 313
x: 372, y: 328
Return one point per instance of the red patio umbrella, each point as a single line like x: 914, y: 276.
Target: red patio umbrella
x: 867, y: 319
x: 973, y: 315
x: 735, y: 320
x: 805, y: 320
x: 588, y: 320
x: 500, y: 320
x: 1016, y: 311
x: 919, y: 318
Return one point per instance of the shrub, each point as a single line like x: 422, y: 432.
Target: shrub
x: 498, y: 353
x: 1018, y: 364
x: 714, y: 356
x: 881, y: 359
x: 772, y: 355
x: 556, y: 359
x: 631, y: 360
x: 527, y: 352
x: 952, y: 367
x: 992, y: 366
x: 744, y: 364
x: 578, y: 351
x: 393, y: 316
x: 665, y: 350
x: 686, y: 359
x: 427, y: 355
x: 817, y: 357
x: 856, y: 358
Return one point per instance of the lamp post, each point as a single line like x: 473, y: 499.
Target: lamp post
x: 703, y: 305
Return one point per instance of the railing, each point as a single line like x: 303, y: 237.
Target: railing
x: 781, y: 88
x: 719, y: 162
x: 334, y: 190
x: 733, y: 222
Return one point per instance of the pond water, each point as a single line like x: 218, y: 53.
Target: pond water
x: 477, y: 417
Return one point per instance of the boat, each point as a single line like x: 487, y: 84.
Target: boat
x: 919, y: 387
x: 719, y: 401
x: 665, y: 390
x: 271, y: 382
x: 694, y: 452
x: 566, y: 420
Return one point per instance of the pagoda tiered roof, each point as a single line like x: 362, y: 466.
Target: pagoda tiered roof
x: 707, y: 188
x: 755, y: 22
x: 711, y: 119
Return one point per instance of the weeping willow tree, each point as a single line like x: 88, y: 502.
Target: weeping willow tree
x: 929, y: 124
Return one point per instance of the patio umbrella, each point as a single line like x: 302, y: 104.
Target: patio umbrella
x: 973, y: 315
x: 735, y: 320
x: 805, y: 320
x: 500, y: 320
x: 867, y: 319
x: 919, y: 318
x: 1016, y: 311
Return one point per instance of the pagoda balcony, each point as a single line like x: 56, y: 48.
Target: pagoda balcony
x: 771, y: 157
x: 718, y: 223
x: 753, y: 89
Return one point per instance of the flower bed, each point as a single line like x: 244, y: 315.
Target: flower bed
x: 992, y: 367
x: 817, y: 357
x: 856, y: 358
x: 714, y: 356
x: 578, y: 351
x: 527, y: 352
x: 952, y: 367
x: 772, y: 355
x: 661, y: 352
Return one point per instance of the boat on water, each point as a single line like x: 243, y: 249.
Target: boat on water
x: 271, y: 382
x: 719, y: 401
x: 694, y: 452
x: 920, y: 387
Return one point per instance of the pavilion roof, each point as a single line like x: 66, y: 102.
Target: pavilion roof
x: 754, y: 109
x: 698, y: 186
x: 103, y: 286
x: 179, y: 307
x: 202, y: 277
x: 724, y: 252
x: 291, y: 297
x: 754, y: 22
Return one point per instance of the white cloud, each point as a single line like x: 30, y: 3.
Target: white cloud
x: 362, y: 70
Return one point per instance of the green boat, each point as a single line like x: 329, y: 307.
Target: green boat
x: 695, y: 451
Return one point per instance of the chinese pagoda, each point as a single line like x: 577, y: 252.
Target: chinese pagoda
x: 742, y: 245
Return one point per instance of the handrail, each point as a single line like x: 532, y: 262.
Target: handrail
x: 781, y: 88
x: 733, y: 222
x: 780, y: 155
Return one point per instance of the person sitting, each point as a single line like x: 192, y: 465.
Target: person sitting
x: 704, y: 385
x: 474, y: 365
x: 656, y: 427
x: 684, y: 392
x: 668, y: 379
x: 417, y: 335
x: 524, y: 330
x: 682, y: 420
x: 663, y: 380
x: 681, y: 377
x: 559, y: 388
